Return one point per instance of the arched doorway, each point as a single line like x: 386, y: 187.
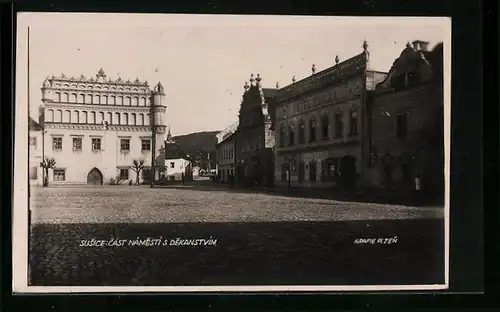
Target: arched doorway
x: 348, y: 171
x: 94, y: 177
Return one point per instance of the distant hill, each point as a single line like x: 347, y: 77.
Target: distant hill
x: 198, y: 145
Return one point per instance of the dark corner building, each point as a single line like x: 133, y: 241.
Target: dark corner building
x: 254, y: 137
x: 321, y: 125
x: 407, y: 123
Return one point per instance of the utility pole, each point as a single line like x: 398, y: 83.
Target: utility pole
x: 153, y: 144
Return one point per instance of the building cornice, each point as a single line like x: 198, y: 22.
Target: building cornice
x: 70, y: 90
x: 333, y: 75
x: 113, y: 108
x: 338, y: 143
x: 97, y: 127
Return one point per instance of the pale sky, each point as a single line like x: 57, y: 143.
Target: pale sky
x: 203, y: 61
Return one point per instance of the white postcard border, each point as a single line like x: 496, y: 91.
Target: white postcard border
x: 21, y: 184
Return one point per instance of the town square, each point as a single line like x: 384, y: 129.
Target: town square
x: 199, y: 151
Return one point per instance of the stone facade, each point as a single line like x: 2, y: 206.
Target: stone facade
x: 320, y: 126
x: 96, y: 127
x: 254, y: 137
x: 225, y: 158
x: 407, y: 122
x: 35, y: 153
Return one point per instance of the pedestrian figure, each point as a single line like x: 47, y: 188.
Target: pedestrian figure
x: 182, y: 177
x: 418, y: 187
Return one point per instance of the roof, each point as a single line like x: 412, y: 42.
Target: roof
x: 353, y: 66
x: 231, y: 129
x: 228, y: 136
x: 33, y: 125
x: 159, y: 88
x: 269, y: 92
x: 425, y: 65
x: 174, y: 151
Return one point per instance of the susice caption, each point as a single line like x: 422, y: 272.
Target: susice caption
x: 148, y: 242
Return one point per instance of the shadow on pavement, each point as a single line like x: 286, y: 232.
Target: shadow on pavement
x: 280, y: 253
x: 367, y: 196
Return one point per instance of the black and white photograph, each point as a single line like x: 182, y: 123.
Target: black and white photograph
x: 231, y: 153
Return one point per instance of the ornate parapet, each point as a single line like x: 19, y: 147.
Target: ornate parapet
x: 353, y: 66
x: 97, y: 127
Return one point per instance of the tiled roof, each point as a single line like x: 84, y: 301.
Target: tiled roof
x: 33, y: 125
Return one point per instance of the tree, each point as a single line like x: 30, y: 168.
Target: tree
x: 46, y: 164
x: 137, y: 166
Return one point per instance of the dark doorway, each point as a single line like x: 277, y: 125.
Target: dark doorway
x: 388, y: 175
x: 302, y: 171
x: 94, y: 177
x: 348, y: 171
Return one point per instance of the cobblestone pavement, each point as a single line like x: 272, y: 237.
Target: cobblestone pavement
x: 133, y: 204
x: 249, y: 249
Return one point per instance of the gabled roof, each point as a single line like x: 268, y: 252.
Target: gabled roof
x: 33, y: 125
x: 423, y: 65
x: 174, y: 151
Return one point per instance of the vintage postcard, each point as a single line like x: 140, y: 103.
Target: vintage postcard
x: 202, y: 153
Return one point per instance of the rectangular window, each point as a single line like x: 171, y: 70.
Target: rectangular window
x: 96, y: 144
x: 57, y: 144
x: 125, y: 145
x: 172, y: 164
x: 339, y: 127
x: 145, y: 144
x: 77, y: 144
x: 353, y: 123
x: 33, y: 173
x: 59, y: 175
x: 312, y: 130
x: 402, y: 126
x: 33, y: 142
x: 325, y: 127
x: 282, y: 136
x: 291, y: 135
x: 123, y: 174
x: 146, y: 172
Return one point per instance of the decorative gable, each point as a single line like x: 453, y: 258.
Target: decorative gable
x: 254, y: 105
x: 411, y: 68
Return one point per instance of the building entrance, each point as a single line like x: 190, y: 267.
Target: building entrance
x: 94, y: 177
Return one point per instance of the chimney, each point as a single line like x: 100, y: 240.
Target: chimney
x: 419, y: 45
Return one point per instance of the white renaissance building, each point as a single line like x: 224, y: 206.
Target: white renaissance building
x: 95, y: 128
